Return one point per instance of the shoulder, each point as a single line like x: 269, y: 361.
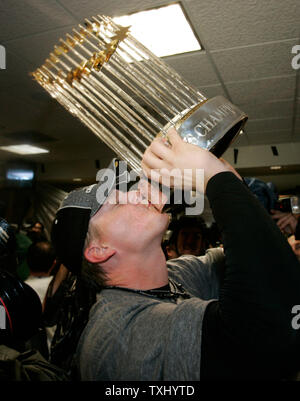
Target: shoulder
x: 214, y: 255
x: 198, y: 274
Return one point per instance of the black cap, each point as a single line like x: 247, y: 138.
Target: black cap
x: 70, y: 226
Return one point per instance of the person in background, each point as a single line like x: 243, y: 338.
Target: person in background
x: 23, y: 353
x: 36, y: 232
x: 41, y: 260
x: 23, y: 243
x: 188, y: 237
x: 290, y: 226
x: 287, y: 222
x: 295, y: 245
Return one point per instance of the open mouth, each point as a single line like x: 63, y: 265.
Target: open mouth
x: 152, y: 206
x: 155, y: 205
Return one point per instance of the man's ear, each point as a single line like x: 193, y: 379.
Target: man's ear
x: 98, y: 254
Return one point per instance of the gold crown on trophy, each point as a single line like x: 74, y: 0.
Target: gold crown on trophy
x: 127, y: 96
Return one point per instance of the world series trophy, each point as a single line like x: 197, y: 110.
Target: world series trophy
x: 127, y: 96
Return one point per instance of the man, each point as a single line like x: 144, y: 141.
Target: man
x: 41, y: 261
x: 188, y: 237
x: 36, y: 232
x: 177, y: 321
x: 290, y: 226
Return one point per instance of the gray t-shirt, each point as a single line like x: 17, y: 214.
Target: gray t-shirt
x: 135, y: 337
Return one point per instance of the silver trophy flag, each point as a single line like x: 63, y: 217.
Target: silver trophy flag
x: 127, y: 96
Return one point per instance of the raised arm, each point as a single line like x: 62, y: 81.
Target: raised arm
x: 249, y: 329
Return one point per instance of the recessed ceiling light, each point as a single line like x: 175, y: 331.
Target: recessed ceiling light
x: 165, y: 31
x: 275, y: 167
x: 24, y: 149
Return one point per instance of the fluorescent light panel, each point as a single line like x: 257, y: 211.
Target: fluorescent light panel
x: 165, y: 31
x: 20, y: 175
x: 24, y: 149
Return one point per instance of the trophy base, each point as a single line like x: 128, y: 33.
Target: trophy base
x: 213, y: 124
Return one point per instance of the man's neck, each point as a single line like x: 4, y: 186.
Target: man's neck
x: 141, y: 271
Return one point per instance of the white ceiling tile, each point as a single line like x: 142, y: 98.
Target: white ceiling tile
x: 35, y: 49
x: 269, y: 138
x: 24, y: 87
x: 69, y: 129
x: 238, y: 23
x: 16, y: 71
x: 75, y: 151
x: 259, y: 61
x: 297, y: 111
x: 262, y: 125
x: 262, y: 90
x: 17, y: 114
x: 296, y: 130
x: 212, y: 91
x: 279, y: 109
x: 298, y: 108
x: 297, y: 127
x: 195, y: 68
x: 113, y: 8
x: 241, y: 140
x: 27, y: 17
x: 296, y: 135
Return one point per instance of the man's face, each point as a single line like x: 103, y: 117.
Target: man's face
x: 129, y: 222
x: 37, y: 228
x: 190, y: 241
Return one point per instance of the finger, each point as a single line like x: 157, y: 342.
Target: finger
x: 152, y: 161
x: 284, y: 221
x: 275, y: 215
x: 278, y: 217
x: 152, y: 174
x: 284, y: 226
x: 278, y: 213
x: 173, y: 137
x: 159, y: 149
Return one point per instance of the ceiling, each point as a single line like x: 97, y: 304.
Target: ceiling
x: 247, y: 58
